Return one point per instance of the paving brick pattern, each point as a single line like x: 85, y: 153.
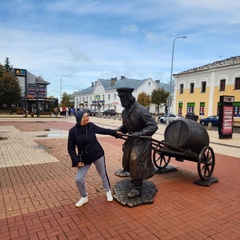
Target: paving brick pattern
x: 37, y: 199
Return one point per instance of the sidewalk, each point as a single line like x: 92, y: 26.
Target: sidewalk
x: 38, y: 192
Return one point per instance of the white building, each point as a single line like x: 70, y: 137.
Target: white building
x: 102, y: 94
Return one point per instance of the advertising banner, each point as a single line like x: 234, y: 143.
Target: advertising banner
x: 225, y: 126
x: 227, y: 120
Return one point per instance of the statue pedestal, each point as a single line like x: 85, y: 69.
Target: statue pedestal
x: 122, y: 173
x: 123, y: 187
x: 206, y: 183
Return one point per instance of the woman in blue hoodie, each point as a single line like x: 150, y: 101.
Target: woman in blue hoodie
x: 84, y: 149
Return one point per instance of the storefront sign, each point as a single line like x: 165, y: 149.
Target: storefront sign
x: 20, y: 72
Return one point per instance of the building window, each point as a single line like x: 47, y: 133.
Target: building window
x: 202, y: 108
x: 222, y: 84
x: 180, y: 107
x: 115, y: 96
x: 203, y: 90
x: 237, y: 83
x: 236, y: 106
x: 181, y: 88
x: 109, y: 96
x: 191, y: 87
x: 191, y: 107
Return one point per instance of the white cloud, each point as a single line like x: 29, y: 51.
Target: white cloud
x: 130, y: 29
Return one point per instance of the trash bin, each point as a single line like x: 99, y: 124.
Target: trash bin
x: 192, y: 116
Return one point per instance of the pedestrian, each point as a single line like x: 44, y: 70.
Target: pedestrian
x: 84, y: 150
x: 136, y: 159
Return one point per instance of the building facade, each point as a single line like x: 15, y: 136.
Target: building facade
x: 103, y: 95
x: 198, y: 90
x: 34, y: 93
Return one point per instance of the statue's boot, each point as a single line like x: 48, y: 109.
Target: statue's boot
x: 135, y: 192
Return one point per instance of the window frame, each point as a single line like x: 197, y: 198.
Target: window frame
x: 181, y: 88
x: 203, y: 86
x: 222, y: 85
x: 237, y: 83
x: 192, y: 87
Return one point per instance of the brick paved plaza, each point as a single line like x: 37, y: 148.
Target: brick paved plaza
x: 38, y: 192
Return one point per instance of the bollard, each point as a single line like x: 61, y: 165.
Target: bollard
x: 209, y: 127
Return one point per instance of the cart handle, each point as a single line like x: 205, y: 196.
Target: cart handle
x: 155, y: 141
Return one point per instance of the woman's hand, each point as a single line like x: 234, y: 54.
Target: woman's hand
x: 118, y: 134
x: 80, y: 164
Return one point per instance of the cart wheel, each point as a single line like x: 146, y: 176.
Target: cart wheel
x: 206, y: 163
x: 159, y: 159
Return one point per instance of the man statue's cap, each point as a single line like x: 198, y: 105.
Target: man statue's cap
x: 124, y: 90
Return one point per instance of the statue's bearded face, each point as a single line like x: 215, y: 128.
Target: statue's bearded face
x: 125, y: 100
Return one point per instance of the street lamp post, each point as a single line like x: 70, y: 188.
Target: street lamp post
x: 61, y: 88
x: 37, y: 107
x: 170, y: 86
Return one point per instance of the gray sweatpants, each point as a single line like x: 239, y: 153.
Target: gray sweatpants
x: 82, y: 171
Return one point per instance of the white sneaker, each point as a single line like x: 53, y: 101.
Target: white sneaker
x: 82, y: 201
x: 109, y: 196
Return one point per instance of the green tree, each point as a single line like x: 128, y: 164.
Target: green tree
x: 10, y: 89
x: 67, y: 100
x: 2, y: 70
x: 7, y: 66
x: 159, y: 97
x: 52, y: 96
x: 144, y: 99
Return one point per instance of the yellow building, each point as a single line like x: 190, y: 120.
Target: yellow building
x: 198, y: 90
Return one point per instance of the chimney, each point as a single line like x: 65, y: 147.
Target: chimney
x: 158, y: 81
x: 112, y: 82
x: 92, y: 84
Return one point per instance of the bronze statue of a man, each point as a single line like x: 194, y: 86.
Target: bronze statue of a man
x: 136, y: 121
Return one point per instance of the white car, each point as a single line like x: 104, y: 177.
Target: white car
x: 172, y: 118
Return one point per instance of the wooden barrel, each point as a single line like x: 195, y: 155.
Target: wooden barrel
x: 186, y: 134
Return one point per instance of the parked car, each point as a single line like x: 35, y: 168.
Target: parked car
x: 172, y: 118
x: 93, y: 112
x: 211, y: 119
x: 109, y: 112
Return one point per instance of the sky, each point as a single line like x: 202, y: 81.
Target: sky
x: 73, y: 43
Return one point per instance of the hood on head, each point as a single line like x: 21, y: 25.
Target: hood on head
x: 79, y: 116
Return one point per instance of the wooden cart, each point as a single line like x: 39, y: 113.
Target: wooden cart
x: 184, y: 140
